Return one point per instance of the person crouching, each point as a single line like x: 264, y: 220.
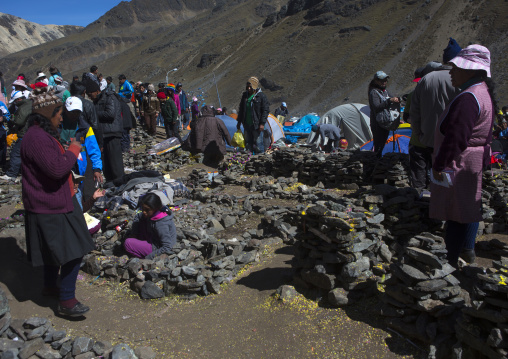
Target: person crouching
x: 153, y: 230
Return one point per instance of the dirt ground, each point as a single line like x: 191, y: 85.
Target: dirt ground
x: 244, y: 321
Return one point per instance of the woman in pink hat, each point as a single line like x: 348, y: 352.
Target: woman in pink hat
x: 461, y: 146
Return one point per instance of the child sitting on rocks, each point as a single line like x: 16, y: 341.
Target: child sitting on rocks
x: 153, y: 230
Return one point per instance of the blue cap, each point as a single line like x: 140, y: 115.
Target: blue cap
x: 284, y: 104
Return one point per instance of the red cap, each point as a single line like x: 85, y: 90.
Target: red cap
x: 161, y: 96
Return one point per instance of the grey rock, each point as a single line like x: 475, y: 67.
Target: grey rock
x: 360, y: 246
x: 100, y: 347
x: 58, y: 335
x: 190, y: 271
x: 34, y: 322
x: 320, y: 280
x: 385, y: 253
x: 353, y: 270
x: 215, y: 224
x: 145, y: 353
x: 151, y: 291
x: 428, y: 304
x: 423, y: 256
x: 228, y: 221
x: 30, y: 348
x: 286, y: 293
x: 66, y: 348
x: 10, y: 354
x: 37, y: 332
x: 122, y: 351
x: 4, y: 303
x: 212, y: 286
x: 247, y: 257
x: 48, y: 353
x: 488, y: 314
x: 5, y: 322
x: 431, y: 285
x: 87, y: 355
x: 446, y: 269
x: 338, y: 297
x: 82, y: 345
x: 7, y: 344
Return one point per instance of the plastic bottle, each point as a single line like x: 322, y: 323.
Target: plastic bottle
x: 121, y: 226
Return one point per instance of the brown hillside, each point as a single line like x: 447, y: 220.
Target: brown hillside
x: 313, y: 54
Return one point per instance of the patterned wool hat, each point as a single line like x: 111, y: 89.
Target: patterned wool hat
x: 171, y: 87
x: 473, y: 57
x: 45, y: 103
x: 451, y: 50
x: 254, y: 82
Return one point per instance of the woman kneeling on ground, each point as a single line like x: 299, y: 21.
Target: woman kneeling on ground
x: 153, y: 230
x: 56, y: 233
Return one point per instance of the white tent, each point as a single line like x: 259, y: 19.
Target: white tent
x: 353, y: 121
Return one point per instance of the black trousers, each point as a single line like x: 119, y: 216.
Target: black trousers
x: 172, y: 130
x: 420, y: 163
x: 112, y: 160
x: 379, y: 137
x: 126, y: 140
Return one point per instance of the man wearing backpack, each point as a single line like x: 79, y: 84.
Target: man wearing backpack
x: 109, y: 113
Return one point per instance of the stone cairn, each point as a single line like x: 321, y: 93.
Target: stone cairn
x: 482, y: 330
x: 203, y: 259
x: 422, y: 298
x: 336, y: 253
x: 345, y: 170
x: 36, y: 337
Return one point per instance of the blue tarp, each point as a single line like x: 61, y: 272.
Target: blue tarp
x: 303, y: 125
x: 230, y: 123
x: 401, y: 144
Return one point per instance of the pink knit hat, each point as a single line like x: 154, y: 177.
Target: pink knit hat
x: 473, y: 57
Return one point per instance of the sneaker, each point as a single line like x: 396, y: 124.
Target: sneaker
x: 77, y: 311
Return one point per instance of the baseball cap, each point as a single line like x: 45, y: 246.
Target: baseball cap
x: 73, y: 103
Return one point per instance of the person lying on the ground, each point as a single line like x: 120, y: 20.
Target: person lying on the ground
x: 153, y: 230
x: 332, y: 132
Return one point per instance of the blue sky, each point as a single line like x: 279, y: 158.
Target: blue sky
x: 58, y: 12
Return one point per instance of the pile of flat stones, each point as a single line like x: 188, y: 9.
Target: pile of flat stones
x: 36, y: 337
x: 336, y: 253
x: 10, y: 193
x: 422, y: 298
x: 482, y: 330
x: 204, y: 256
x: 494, y: 194
x: 343, y: 169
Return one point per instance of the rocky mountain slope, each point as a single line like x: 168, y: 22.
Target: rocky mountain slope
x: 313, y: 54
x: 17, y: 34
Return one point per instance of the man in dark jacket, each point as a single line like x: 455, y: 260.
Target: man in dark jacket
x: 207, y: 135
x: 282, y: 110
x: 89, y: 115
x: 109, y: 113
x: 253, y: 114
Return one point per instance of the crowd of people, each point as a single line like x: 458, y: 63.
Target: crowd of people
x: 452, y: 112
x: 68, y: 138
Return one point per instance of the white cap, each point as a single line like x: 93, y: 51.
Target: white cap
x: 73, y: 103
x: 41, y: 74
x: 16, y: 95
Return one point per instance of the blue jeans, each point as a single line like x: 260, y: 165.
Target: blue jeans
x: 459, y: 236
x: 126, y: 140
x: 253, y: 140
x: 15, y: 162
